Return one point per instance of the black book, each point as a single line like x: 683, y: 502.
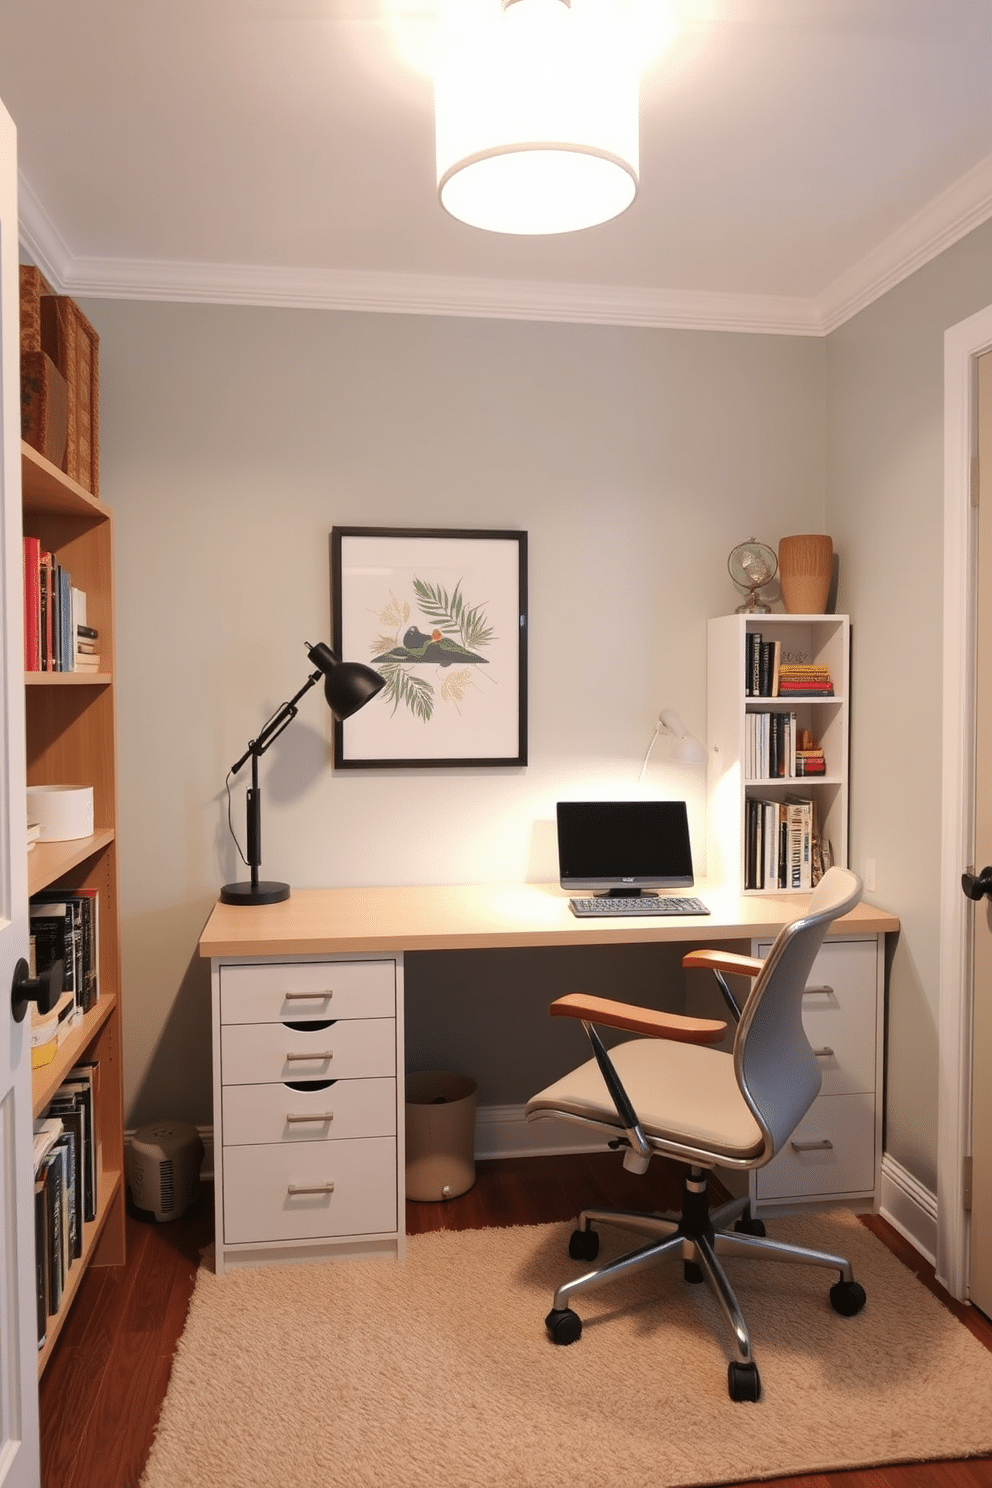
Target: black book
x: 40, y: 1265
x: 756, y: 663
x: 70, y: 1112
x: 73, y: 1212
x: 52, y: 927
x: 84, y: 1078
x: 80, y: 939
x: 751, y: 856
x: 73, y: 1105
x: 53, y: 1169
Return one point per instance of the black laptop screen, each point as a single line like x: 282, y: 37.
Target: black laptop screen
x: 624, y: 845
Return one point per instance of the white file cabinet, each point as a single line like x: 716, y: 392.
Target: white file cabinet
x: 834, y: 1155
x: 308, y: 1107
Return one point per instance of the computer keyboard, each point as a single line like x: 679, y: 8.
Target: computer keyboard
x: 642, y: 904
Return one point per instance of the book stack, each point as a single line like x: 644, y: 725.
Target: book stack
x: 804, y: 680
x: 770, y: 745
x: 779, y: 844
x: 783, y: 845
x: 810, y: 762
x: 65, y: 926
x: 54, y: 613
x: 66, y: 1171
x: 809, y: 755
x: 87, y: 649
x: 762, y: 661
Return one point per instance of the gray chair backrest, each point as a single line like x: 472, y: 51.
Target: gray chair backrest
x: 776, y: 1069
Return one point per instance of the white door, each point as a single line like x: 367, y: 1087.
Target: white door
x: 19, y: 1455
x: 980, y: 1225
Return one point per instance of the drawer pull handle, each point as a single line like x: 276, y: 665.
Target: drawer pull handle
x: 825, y: 1053
x: 317, y: 1116
x: 818, y: 991
x: 823, y: 1145
x: 327, y: 1054
x: 307, y: 996
x: 309, y: 1188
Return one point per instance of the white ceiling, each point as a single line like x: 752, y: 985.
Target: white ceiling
x: 797, y: 158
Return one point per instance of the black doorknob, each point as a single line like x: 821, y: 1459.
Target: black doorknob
x: 978, y: 886
x: 45, y: 990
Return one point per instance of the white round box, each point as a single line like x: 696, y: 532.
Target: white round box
x: 63, y: 812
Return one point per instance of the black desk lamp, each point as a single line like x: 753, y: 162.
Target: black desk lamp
x: 348, y: 686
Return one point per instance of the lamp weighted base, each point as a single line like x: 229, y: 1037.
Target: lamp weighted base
x: 265, y: 892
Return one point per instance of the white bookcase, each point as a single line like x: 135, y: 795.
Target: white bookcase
x: 733, y: 779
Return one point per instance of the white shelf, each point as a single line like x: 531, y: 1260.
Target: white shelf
x: 822, y: 639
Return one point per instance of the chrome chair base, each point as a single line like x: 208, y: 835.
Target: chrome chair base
x: 700, y: 1237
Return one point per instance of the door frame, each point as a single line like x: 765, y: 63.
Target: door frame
x: 964, y: 343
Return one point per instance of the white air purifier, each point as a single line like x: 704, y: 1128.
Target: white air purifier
x: 163, y: 1167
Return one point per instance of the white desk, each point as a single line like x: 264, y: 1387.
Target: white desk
x: 308, y: 1120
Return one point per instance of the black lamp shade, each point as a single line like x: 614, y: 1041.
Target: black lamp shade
x: 348, y: 685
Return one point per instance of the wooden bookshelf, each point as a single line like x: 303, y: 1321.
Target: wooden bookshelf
x: 71, y: 740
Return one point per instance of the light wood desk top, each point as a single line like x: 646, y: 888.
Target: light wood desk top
x: 488, y: 916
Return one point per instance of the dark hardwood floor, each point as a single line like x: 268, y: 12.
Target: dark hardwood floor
x: 108, y: 1374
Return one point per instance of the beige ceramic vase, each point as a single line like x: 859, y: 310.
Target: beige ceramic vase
x: 805, y: 569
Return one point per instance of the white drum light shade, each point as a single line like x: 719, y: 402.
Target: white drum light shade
x: 536, y: 121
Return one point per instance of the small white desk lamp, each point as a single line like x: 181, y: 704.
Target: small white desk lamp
x: 685, y: 749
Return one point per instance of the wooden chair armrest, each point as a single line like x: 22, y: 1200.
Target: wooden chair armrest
x: 724, y: 961
x: 637, y: 1019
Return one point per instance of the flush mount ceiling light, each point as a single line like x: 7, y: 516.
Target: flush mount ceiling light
x: 536, y: 120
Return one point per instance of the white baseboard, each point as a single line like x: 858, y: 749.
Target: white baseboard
x: 504, y: 1131
x: 500, y: 1131
x: 909, y: 1207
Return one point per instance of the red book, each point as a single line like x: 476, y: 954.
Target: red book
x: 32, y: 605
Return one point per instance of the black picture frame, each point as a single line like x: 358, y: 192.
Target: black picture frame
x: 441, y: 613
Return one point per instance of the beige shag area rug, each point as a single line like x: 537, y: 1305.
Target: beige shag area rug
x: 436, y: 1372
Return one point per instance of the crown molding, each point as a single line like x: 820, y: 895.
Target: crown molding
x: 425, y: 294
x: 942, y: 222
x: 40, y: 237
x: 949, y: 217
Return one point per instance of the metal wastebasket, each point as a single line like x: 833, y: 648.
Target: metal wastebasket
x: 440, y: 1134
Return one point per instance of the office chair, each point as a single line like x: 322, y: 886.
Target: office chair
x: 670, y: 1094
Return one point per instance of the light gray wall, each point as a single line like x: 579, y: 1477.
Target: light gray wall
x: 233, y: 439
x: 885, y: 502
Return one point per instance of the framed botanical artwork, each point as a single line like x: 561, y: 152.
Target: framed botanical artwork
x: 442, y: 615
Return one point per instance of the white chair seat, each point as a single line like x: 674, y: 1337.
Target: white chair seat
x: 685, y: 1096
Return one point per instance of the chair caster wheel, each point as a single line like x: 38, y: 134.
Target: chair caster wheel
x: 743, y: 1381
x: 847, y: 1298
x: 748, y: 1225
x: 563, y: 1325
x: 692, y: 1272
x: 584, y: 1245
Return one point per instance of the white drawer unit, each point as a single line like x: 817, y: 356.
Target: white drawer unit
x: 834, y: 1156
x: 289, y: 991
x: 308, y: 1108
x: 308, y: 1111
x: 349, y: 1048
x: 314, y: 1191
